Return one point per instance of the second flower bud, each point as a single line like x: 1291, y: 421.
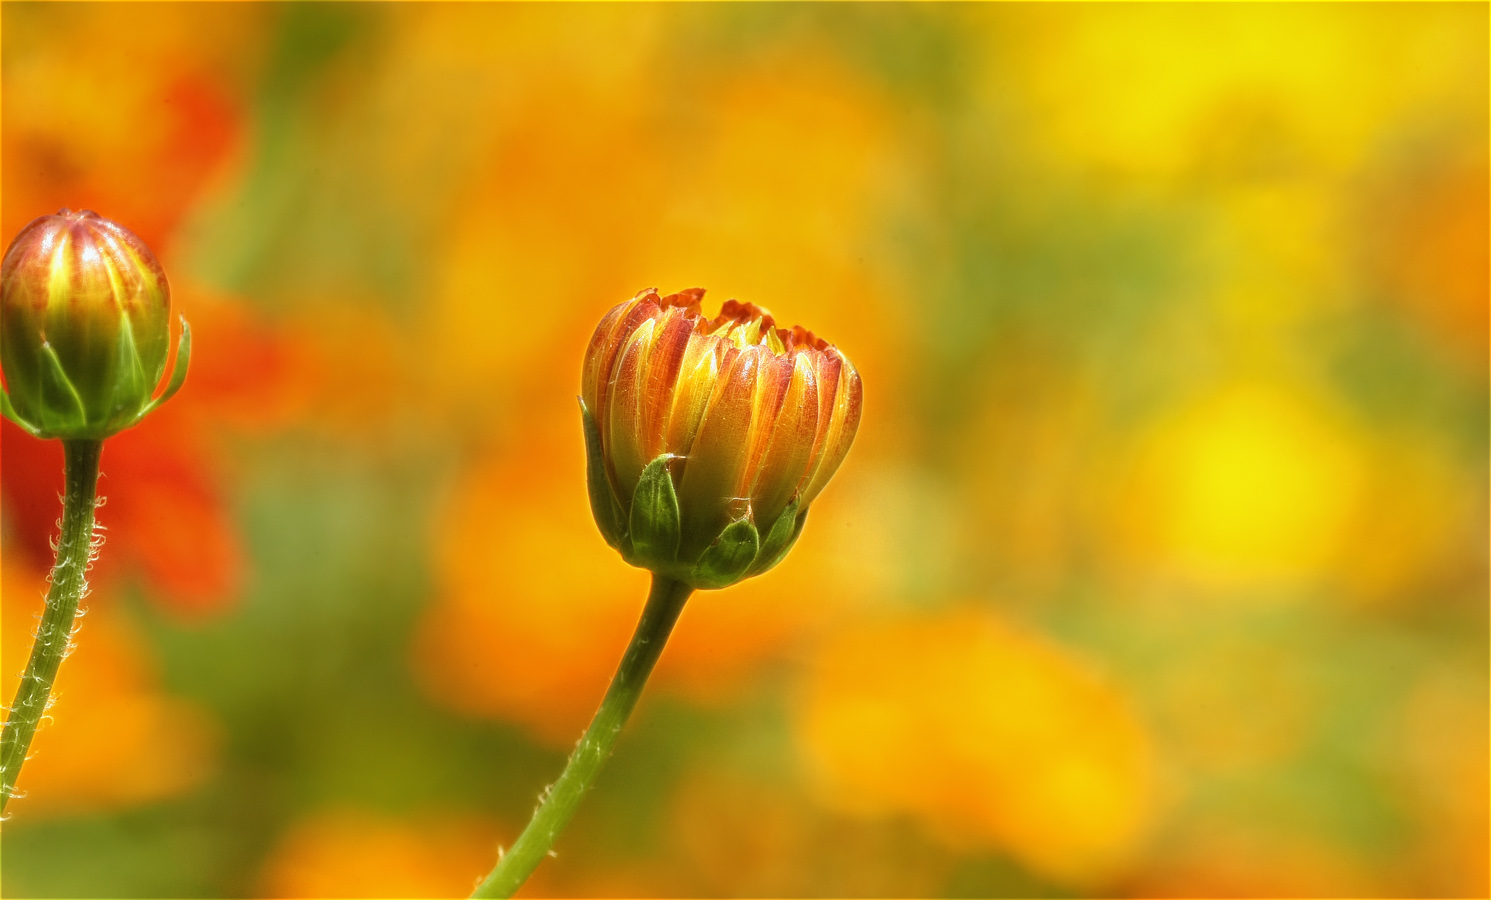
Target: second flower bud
x: 85, y: 316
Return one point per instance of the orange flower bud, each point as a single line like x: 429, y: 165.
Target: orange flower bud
x: 708, y: 438
x: 84, y: 327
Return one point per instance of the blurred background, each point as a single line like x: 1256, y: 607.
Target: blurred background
x: 1159, y: 566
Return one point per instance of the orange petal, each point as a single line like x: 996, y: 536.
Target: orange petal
x: 610, y: 353
x: 845, y: 422
x: 784, y: 466
x: 595, y: 353
x: 830, y: 383
x: 663, y: 366
x: 776, y: 375
x: 696, y: 384
x: 623, y: 432
x: 713, y: 469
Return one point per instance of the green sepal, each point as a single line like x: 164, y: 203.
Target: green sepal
x: 10, y: 413
x: 603, y: 503
x: 656, y: 526
x: 783, y: 534
x: 57, y: 391
x: 728, y: 558
x: 131, y: 387
x: 178, y: 370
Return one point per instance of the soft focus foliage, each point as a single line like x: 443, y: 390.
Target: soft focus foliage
x: 1159, y: 566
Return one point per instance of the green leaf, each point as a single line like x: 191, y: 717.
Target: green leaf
x: 603, y: 503
x: 783, y: 534
x: 729, y: 557
x: 655, y: 521
x: 10, y: 413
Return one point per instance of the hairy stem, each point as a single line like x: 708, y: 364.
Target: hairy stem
x: 74, y: 550
x: 560, y: 801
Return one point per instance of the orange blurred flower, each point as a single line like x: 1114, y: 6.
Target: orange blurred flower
x: 1212, y: 858
x: 1441, y: 747
x: 165, y: 511
x: 1427, y: 251
x: 112, y: 739
x: 753, y: 836
x: 165, y: 480
x: 139, y: 130
x: 985, y: 735
x: 349, y: 853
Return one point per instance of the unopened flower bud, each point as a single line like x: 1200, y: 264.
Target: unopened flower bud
x: 708, y: 438
x: 84, y: 328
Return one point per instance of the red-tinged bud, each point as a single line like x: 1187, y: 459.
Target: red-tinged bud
x: 85, y: 316
x: 708, y: 438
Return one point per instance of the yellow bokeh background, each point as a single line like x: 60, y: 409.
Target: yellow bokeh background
x: 1158, y: 568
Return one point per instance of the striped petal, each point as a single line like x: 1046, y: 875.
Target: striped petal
x: 697, y: 378
x: 595, y: 354
x: 708, y: 495
x: 623, y: 427
x: 848, y: 404
x: 642, y: 310
x: 663, y: 365
x: 784, y: 466
x: 776, y: 375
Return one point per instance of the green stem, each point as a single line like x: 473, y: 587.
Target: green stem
x: 74, y: 551
x: 560, y: 801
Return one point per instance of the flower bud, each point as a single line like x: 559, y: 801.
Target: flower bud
x: 84, y: 328
x: 707, y: 439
